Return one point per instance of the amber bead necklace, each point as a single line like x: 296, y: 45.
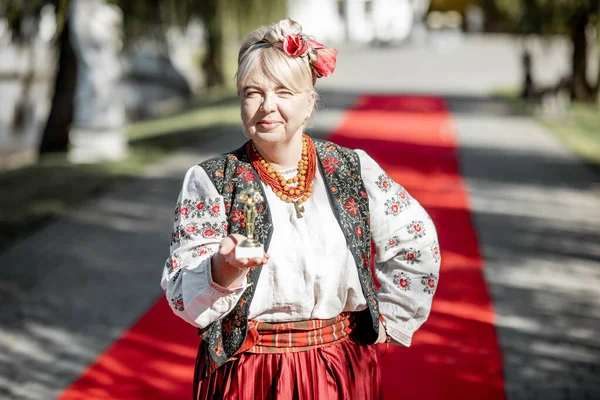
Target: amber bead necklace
x: 296, y: 190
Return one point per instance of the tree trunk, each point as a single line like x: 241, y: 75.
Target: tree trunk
x: 581, y: 90
x: 213, y: 61
x: 56, y: 133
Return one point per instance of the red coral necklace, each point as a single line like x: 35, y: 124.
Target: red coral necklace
x: 296, y: 190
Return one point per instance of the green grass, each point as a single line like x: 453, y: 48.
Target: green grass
x: 578, y: 130
x: 198, y: 117
x: 34, y: 195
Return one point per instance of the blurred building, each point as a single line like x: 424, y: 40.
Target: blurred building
x: 359, y: 21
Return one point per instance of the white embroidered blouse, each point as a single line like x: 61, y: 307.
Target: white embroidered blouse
x: 311, y: 274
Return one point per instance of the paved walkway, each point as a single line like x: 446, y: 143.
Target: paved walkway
x: 70, y: 289
x: 537, y: 212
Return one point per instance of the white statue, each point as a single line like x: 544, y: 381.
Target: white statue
x: 98, y: 123
x: 47, y: 27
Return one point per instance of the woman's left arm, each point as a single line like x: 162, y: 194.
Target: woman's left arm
x: 407, y: 259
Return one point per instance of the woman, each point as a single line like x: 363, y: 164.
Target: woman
x: 301, y: 322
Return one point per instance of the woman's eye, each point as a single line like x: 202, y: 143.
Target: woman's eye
x: 252, y: 94
x: 285, y: 93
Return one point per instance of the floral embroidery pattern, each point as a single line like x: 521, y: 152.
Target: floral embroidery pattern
x: 330, y: 164
x: 402, y: 280
x: 184, y: 211
x: 238, y: 216
x: 202, y: 251
x: 246, y: 173
x: 197, y: 208
x: 214, y: 208
x: 429, y: 283
x: 394, y: 206
x: 397, y: 203
x: 189, y: 230
x: 200, y: 206
x: 384, y: 182
x: 234, y: 323
x: 177, y: 303
x: 173, y: 262
x: 175, y: 236
x: 228, y: 327
x: 219, y: 347
x: 207, y: 230
x: 358, y: 231
x: 351, y: 206
x: 403, y: 195
x: 410, y: 255
x: 435, y: 251
x: 210, y: 231
x: 416, y: 229
x: 393, y: 242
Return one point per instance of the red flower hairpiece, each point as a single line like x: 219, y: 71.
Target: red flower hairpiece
x: 294, y: 45
x: 325, y: 60
x: 287, y: 34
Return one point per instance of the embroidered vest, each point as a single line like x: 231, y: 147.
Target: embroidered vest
x: 340, y: 168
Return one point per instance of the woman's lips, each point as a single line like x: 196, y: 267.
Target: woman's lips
x: 268, y: 125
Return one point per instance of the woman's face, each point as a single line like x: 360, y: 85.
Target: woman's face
x: 273, y: 114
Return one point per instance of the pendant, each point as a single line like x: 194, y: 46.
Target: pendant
x: 299, y: 209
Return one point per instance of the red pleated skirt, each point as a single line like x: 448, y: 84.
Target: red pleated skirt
x: 345, y: 369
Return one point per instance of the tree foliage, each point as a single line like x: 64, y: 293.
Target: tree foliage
x: 225, y: 21
x: 571, y: 18
x: 17, y: 11
x: 545, y: 16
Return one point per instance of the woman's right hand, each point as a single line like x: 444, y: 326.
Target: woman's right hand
x: 227, y: 271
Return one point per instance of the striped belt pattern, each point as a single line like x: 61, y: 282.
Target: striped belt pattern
x: 291, y: 337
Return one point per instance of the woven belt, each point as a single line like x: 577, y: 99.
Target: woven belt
x: 291, y: 337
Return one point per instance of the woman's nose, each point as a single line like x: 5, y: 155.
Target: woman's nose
x: 269, y: 105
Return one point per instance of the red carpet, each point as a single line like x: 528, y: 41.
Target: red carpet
x: 454, y: 356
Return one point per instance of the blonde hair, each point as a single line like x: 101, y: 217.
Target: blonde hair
x: 256, y: 55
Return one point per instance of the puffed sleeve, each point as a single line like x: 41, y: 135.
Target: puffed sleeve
x: 407, y: 259
x: 200, y: 225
